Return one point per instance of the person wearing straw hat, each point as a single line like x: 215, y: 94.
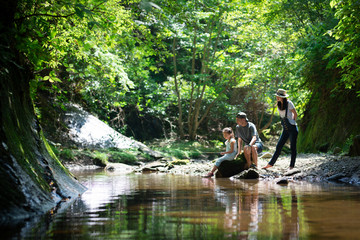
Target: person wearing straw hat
x: 288, y: 117
x: 246, y: 133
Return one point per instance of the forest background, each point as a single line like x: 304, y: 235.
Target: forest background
x: 162, y: 68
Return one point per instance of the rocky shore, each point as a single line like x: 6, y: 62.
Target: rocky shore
x: 309, y: 167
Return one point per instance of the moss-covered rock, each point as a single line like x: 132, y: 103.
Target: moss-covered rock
x: 231, y: 168
x: 32, y: 179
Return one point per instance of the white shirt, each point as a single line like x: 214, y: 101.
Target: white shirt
x: 289, y: 112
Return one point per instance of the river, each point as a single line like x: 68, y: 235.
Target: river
x: 165, y: 206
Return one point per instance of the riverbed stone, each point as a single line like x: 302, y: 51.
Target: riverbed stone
x: 282, y: 181
x: 119, y: 167
x: 149, y: 170
x: 292, y: 172
x: 248, y: 174
x: 336, y: 177
x: 266, y: 155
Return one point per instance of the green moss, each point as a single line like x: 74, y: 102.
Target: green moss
x: 102, y: 157
x: 67, y: 154
x: 147, y: 157
x: 179, y: 162
x: 329, y: 122
x: 123, y: 157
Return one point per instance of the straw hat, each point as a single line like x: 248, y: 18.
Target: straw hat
x: 281, y: 93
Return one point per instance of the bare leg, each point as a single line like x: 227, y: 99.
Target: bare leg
x: 247, y: 154
x: 214, y: 169
x: 254, y: 154
x: 211, y: 173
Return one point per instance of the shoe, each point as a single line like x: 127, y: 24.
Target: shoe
x: 210, y: 174
x: 253, y: 166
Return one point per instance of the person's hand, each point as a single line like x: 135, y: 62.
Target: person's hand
x: 222, y: 153
x: 236, y: 156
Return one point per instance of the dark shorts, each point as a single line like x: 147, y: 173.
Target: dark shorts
x: 259, y: 146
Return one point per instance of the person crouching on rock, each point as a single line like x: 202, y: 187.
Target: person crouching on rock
x: 230, y: 151
x: 246, y: 132
x: 288, y: 116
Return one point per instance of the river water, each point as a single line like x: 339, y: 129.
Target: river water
x: 164, y: 206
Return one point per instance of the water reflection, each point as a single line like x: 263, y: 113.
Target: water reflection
x: 155, y: 206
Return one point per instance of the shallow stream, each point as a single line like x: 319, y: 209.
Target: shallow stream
x: 164, y: 206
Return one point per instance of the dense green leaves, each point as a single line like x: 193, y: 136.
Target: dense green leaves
x: 346, y: 51
x: 191, y: 63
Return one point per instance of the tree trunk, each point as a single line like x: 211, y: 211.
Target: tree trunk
x: 177, y: 92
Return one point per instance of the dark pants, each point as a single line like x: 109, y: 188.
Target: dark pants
x: 288, y: 132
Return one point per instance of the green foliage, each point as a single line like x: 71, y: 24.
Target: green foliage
x: 122, y: 157
x: 55, y: 150
x: 346, y: 51
x: 195, y: 64
x: 347, y: 144
x: 100, y: 158
x: 187, y: 149
x: 67, y: 154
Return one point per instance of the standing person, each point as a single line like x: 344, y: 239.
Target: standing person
x: 246, y: 132
x: 288, y: 116
x: 230, y: 150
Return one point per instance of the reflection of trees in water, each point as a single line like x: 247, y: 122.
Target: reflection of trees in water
x: 196, y: 208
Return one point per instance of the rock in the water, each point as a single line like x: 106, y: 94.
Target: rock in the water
x: 336, y: 177
x: 282, y: 181
x: 231, y: 168
x: 355, y: 147
x: 248, y: 174
x: 119, y: 167
x: 149, y: 170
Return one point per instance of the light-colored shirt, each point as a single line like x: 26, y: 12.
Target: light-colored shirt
x: 290, y: 106
x: 228, y: 145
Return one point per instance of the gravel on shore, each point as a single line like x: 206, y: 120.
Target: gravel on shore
x: 308, y: 167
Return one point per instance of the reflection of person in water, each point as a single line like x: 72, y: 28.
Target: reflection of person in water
x: 248, y: 208
x: 290, y: 218
x: 248, y: 212
x: 241, y: 204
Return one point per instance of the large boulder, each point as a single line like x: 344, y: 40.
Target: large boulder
x: 86, y: 130
x: 231, y: 168
x: 32, y: 179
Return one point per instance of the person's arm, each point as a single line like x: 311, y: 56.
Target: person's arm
x: 253, y: 140
x: 252, y: 132
x: 294, y: 116
x: 239, y: 145
x: 293, y: 110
